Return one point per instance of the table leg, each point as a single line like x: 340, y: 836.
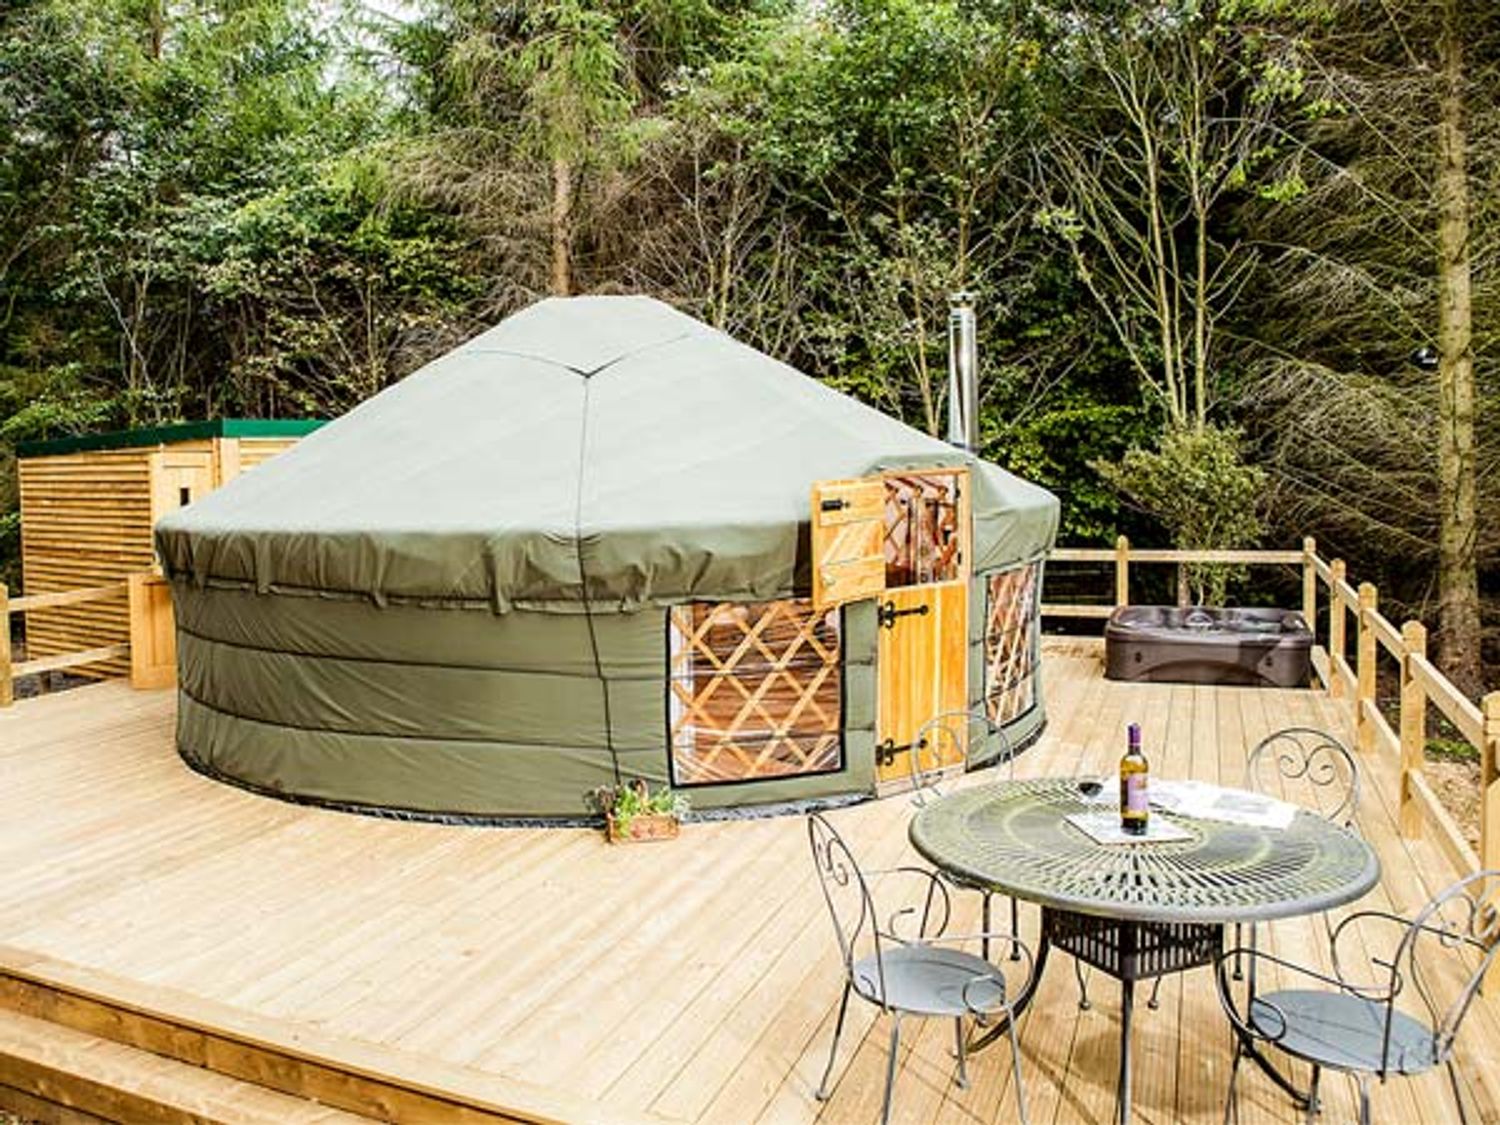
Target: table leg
x: 1127, y: 1008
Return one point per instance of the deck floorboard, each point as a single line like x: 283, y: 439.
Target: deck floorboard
x: 695, y: 980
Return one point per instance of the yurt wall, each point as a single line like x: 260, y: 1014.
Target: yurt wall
x: 88, y: 505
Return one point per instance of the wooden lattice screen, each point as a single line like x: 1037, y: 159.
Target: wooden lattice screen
x: 755, y: 691
x: 1009, y: 651
x: 922, y: 535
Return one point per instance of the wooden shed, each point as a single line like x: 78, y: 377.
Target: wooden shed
x: 88, y: 505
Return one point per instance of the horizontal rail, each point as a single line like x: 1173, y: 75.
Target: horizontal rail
x: 1168, y: 555
x: 1235, y: 558
x: 1082, y: 554
x: 70, y: 660
x: 1320, y: 665
x: 1385, y: 735
x: 1340, y: 668
x: 1347, y: 594
x: 1324, y: 571
x: 1449, y: 837
x: 1386, y: 633
x: 1064, y: 610
x: 1466, y: 717
x: 33, y: 602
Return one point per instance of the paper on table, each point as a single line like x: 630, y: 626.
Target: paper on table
x: 1203, y: 801
x: 1104, y: 828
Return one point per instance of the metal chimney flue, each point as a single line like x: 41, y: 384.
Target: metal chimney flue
x: 963, y: 372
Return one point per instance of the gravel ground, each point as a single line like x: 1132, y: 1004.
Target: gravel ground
x: 1457, y: 786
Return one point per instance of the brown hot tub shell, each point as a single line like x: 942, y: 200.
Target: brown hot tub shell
x: 1202, y: 645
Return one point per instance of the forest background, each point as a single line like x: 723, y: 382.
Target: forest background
x: 1235, y: 262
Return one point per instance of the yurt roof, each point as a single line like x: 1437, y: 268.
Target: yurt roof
x: 603, y: 449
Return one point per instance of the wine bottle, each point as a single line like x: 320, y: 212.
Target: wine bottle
x: 1134, y: 770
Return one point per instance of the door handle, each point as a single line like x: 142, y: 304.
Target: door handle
x: 888, y: 613
x: 885, y: 753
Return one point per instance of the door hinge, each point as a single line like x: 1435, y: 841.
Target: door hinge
x: 888, y: 613
x: 885, y: 753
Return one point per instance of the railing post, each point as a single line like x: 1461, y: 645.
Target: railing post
x: 1335, y: 631
x: 1489, y: 806
x: 1122, y: 571
x: 1364, y: 654
x: 7, y: 686
x: 1413, y: 726
x: 1310, y: 584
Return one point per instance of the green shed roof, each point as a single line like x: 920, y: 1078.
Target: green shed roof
x: 171, y: 435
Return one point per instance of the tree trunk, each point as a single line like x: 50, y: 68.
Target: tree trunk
x: 1458, y: 653
x: 562, y: 227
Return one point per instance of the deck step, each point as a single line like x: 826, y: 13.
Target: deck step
x: 98, y: 1079
x: 289, y: 1060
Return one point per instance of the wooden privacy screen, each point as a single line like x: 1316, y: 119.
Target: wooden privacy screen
x: 1009, y: 651
x: 925, y: 528
x: 755, y: 691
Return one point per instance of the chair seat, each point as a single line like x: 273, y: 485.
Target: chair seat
x: 1344, y: 1032
x: 930, y: 980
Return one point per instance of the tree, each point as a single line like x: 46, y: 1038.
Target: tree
x: 1167, y: 118
x: 897, y: 131
x: 1372, y: 413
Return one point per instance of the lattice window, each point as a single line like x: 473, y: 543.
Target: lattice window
x: 755, y: 691
x: 1009, y: 648
x: 923, y: 539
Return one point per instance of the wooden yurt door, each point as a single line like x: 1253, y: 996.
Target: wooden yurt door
x: 923, y: 659
x: 902, y: 538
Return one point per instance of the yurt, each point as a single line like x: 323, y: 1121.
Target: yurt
x: 600, y: 541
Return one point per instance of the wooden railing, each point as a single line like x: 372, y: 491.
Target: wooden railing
x: 150, y: 645
x: 1325, y: 583
x: 1422, y: 687
x: 1123, y: 555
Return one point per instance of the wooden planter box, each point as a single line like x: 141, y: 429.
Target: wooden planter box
x: 658, y: 826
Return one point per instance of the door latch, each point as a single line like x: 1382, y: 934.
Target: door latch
x: 888, y: 613
x: 885, y: 753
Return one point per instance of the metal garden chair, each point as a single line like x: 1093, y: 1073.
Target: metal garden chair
x: 978, y: 742
x: 1316, y: 757
x: 1342, y: 1024
x: 898, y: 956
x: 1319, y: 759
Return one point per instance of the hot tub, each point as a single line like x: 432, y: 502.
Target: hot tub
x: 1201, y: 645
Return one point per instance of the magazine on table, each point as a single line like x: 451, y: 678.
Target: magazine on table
x: 1202, y: 801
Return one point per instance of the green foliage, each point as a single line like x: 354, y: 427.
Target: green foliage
x: 1196, y: 482
x: 1060, y: 447
x: 279, y: 207
x: 623, y: 803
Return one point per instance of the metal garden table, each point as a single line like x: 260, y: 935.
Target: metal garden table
x: 1136, y: 911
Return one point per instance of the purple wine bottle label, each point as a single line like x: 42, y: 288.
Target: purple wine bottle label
x: 1135, y: 793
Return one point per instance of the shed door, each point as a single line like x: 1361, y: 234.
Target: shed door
x: 923, y: 652
x: 178, y: 477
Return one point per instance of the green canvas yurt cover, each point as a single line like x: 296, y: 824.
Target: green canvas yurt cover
x: 470, y: 566
x: 608, y: 449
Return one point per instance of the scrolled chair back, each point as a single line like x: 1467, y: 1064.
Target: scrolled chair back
x: 1441, y: 958
x: 970, y: 737
x: 1460, y: 924
x: 862, y: 931
x: 1313, y: 757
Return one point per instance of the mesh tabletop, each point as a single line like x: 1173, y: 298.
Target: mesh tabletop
x: 1012, y: 837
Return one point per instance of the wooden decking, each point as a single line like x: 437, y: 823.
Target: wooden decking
x: 692, y: 981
